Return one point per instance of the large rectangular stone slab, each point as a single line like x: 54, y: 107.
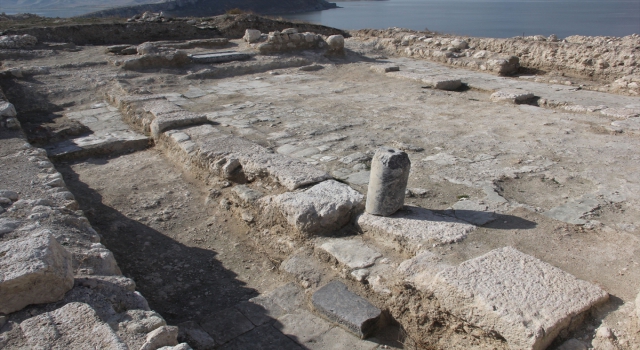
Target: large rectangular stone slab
x: 351, y: 252
x: 109, y: 143
x: 34, y: 269
x: 525, y: 300
x: 322, y: 208
x: 219, y: 57
x: 174, y: 120
x: 73, y: 326
x: 352, y: 311
x: 413, y: 228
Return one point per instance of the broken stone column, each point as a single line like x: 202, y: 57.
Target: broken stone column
x: 388, y: 181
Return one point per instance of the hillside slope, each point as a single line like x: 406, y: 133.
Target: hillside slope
x: 201, y: 8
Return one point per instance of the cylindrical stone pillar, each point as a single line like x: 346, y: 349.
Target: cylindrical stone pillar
x: 388, y: 181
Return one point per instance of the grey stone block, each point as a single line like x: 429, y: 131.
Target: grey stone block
x: 226, y: 325
x: 302, y: 326
x: 219, y: 57
x: 525, y: 300
x: 190, y: 332
x: 339, y: 339
x: 338, y: 304
x: 511, y: 95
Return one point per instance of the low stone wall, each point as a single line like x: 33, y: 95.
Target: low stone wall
x: 57, y: 279
x: 290, y: 40
x: 612, y: 59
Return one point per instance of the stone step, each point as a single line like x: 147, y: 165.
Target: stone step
x: 338, y: 304
x: 109, y: 135
x: 219, y: 57
x: 521, y: 298
x: 412, y: 229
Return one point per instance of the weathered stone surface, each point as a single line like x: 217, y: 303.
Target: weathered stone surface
x: 73, y: 326
x: 413, y: 227
x: 226, y: 325
x: 443, y: 83
x: 35, y: 269
x: 156, y: 60
x: 219, y: 57
x: 351, y: 252
x: 525, y: 300
x: 421, y: 269
x: 339, y: 339
x: 12, y: 195
x: 17, y: 41
x: 181, y: 346
x: 573, y: 211
x: 384, y: 68
x: 247, y: 194
x: 324, y: 207
x: 262, y: 338
x: 337, y: 303
x: 304, y: 267
x: 302, y: 326
x: 254, y: 159
x: 140, y: 321
x: 511, y: 95
x: 335, y: 43
x: 388, y: 182
x: 473, y: 212
x: 190, y: 332
x: 573, y: 344
x: 7, y: 109
x: 175, y: 120
x: 8, y: 225
x: 638, y: 305
x: 621, y: 113
x: 252, y: 35
x: 98, y: 144
x: 161, y: 337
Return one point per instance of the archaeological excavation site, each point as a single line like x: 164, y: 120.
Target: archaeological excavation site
x: 244, y: 182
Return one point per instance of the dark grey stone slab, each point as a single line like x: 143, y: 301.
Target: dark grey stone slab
x: 219, y: 57
x: 262, y: 338
x: 337, y: 303
x: 226, y: 325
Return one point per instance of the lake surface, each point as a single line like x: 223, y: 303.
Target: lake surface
x: 486, y: 18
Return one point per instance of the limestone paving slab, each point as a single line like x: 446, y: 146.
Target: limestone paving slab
x: 302, y: 326
x: 337, y: 303
x: 525, y: 300
x: 262, y: 338
x: 226, y: 325
x: 351, y: 252
x: 422, y: 269
x: 413, y: 227
x: 217, y: 148
x: 321, y: 208
x: 511, y: 95
x: 339, y: 339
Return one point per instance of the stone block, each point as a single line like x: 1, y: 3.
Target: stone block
x: 161, y: 337
x: 226, y: 325
x: 422, y: 269
x: 322, y: 208
x: 247, y: 194
x: 351, y: 252
x: 443, y: 83
x: 338, y: 304
x: 35, y: 269
x: 335, y: 43
x: 73, y: 326
x: 512, y: 96
x: 219, y: 57
x: 303, y: 267
x: 7, y: 109
x: 384, y: 69
x: 525, y: 300
x: 413, y: 228
x: 252, y: 35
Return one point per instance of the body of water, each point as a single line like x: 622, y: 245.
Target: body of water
x: 486, y: 18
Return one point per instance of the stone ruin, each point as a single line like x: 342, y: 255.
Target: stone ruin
x: 372, y: 227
